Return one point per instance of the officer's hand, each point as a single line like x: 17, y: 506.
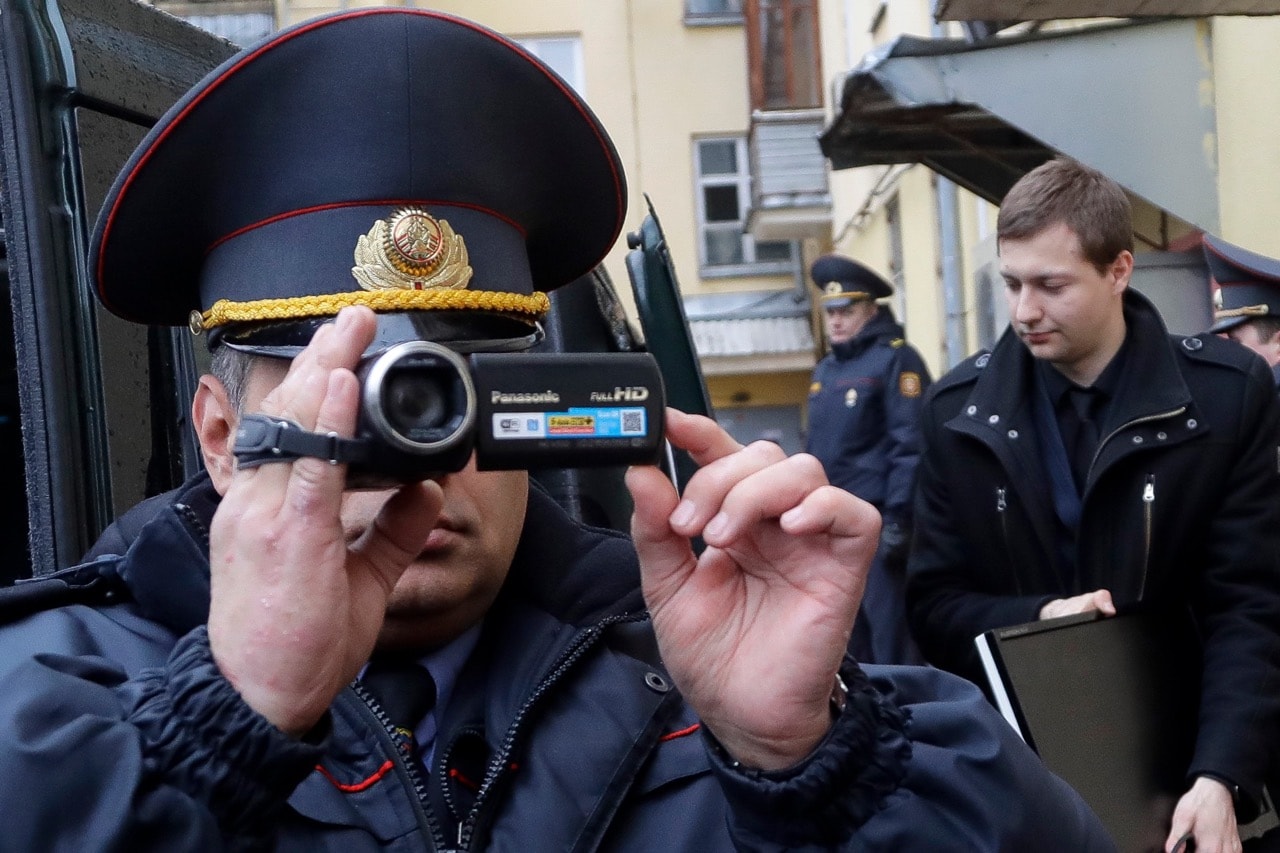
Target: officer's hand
x: 1208, y: 812
x: 1099, y: 600
x: 754, y: 629
x: 296, y: 608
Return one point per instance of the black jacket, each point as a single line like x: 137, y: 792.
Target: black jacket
x: 864, y: 408
x: 1181, y: 506
x: 117, y: 731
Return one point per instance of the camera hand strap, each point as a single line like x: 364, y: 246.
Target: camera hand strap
x: 261, y: 439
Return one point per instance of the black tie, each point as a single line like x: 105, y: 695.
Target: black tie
x: 406, y: 692
x: 1084, y: 443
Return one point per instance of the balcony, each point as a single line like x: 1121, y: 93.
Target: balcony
x: 790, y: 198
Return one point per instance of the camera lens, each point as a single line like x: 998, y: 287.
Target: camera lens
x: 418, y: 398
x: 422, y: 402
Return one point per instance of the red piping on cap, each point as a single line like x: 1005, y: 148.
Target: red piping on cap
x: 373, y: 203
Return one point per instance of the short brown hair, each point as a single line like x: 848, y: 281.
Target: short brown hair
x: 1065, y: 192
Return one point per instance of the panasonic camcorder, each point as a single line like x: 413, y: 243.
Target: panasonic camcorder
x: 424, y: 409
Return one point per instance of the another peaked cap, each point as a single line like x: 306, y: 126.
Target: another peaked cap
x: 843, y: 281
x: 1248, y: 283
x: 258, y: 183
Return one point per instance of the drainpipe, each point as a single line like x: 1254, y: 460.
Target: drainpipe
x: 949, y: 239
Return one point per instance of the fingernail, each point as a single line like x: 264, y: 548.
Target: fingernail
x: 717, y: 525
x: 683, y: 513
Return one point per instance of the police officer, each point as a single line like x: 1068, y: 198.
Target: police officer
x: 1247, y: 298
x: 864, y: 406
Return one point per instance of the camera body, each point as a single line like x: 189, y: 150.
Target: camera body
x: 424, y: 409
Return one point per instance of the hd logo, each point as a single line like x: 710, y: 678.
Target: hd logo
x: 630, y: 394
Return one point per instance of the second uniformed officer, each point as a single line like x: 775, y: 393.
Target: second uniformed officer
x: 1248, y: 297
x: 864, y: 406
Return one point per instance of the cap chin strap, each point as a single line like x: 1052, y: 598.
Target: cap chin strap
x: 261, y: 439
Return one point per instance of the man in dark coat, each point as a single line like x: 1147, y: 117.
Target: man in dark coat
x: 864, y: 426
x: 1160, y: 489
x: 280, y: 662
x: 1246, y: 299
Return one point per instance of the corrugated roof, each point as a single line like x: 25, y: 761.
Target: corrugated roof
x: 759, y: 336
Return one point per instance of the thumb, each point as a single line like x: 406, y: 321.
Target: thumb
x: 1102, y: 600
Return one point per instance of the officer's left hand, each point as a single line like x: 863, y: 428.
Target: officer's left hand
x: 754, y: 629
x: 1208, y: 812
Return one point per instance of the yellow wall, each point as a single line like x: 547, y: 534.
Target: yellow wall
x: 1246, y: 67
x: 766, y: 389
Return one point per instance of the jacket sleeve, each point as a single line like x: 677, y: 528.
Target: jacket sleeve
x: 1237, y: 601
x: 904, y: 399
x: 918, y: 761
x: 171, y: 759
x: 945, y: 606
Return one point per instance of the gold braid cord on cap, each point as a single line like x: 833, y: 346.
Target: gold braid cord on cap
x: 1243, y: 311
x: 225, y: 311
x: 410, y: 261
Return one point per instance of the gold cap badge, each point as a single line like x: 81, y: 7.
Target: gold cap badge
x: 411, y: 250
x: 834, y: 289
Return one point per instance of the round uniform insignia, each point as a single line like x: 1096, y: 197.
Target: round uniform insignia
x: 851, y: 397
x: 411, y: 250
x: 834, y: 288
x: 909, y: 384
x: 414, y: 241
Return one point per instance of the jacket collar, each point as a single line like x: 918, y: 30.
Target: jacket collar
x: 576, y: 573
x: 1150, y: 385
x: 881, y: 326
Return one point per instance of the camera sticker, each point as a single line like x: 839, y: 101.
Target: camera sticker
x: 574, y: 423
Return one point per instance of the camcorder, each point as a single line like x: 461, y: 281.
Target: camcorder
x: 424, y: 409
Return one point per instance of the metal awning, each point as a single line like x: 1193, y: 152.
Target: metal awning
x: 1133, y: 100
x: 752, y: 332
x: 1047, y: 10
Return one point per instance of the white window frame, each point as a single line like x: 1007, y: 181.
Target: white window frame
x: 742, y: 181
x: 575, y: 76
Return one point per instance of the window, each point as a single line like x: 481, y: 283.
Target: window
x: 708, y: 12
x: 242, y: 30
x: 563, y: 54
x: 724, y: 194
x: 782, y: 51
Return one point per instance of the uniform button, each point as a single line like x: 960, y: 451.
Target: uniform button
x: 972, y: 410
x: 994, y: 419
x: 1161, y: 436
x: 1192, y: 423
x: 1013, y: 433
x: 1192, y: 344
x: 1137, y: 439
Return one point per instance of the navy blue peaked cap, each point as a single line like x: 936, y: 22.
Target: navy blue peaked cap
x: 844, y: 281
x: 403, y: 158
x: 1248, y: 283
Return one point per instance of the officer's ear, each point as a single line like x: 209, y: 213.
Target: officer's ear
x: 215, y: 420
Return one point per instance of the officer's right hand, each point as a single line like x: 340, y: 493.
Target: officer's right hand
x: 1099, y: 599
x: 296, y: 608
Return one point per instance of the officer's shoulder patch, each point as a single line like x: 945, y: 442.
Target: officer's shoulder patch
x: 909, y: 384
x: 897, y: 342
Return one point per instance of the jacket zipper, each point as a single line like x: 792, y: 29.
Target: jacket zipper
x: 1142, y: 420
x: 500, y: 764
x: 1002, y: 508
x: 420, y: 790
x: 1148, y: 513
